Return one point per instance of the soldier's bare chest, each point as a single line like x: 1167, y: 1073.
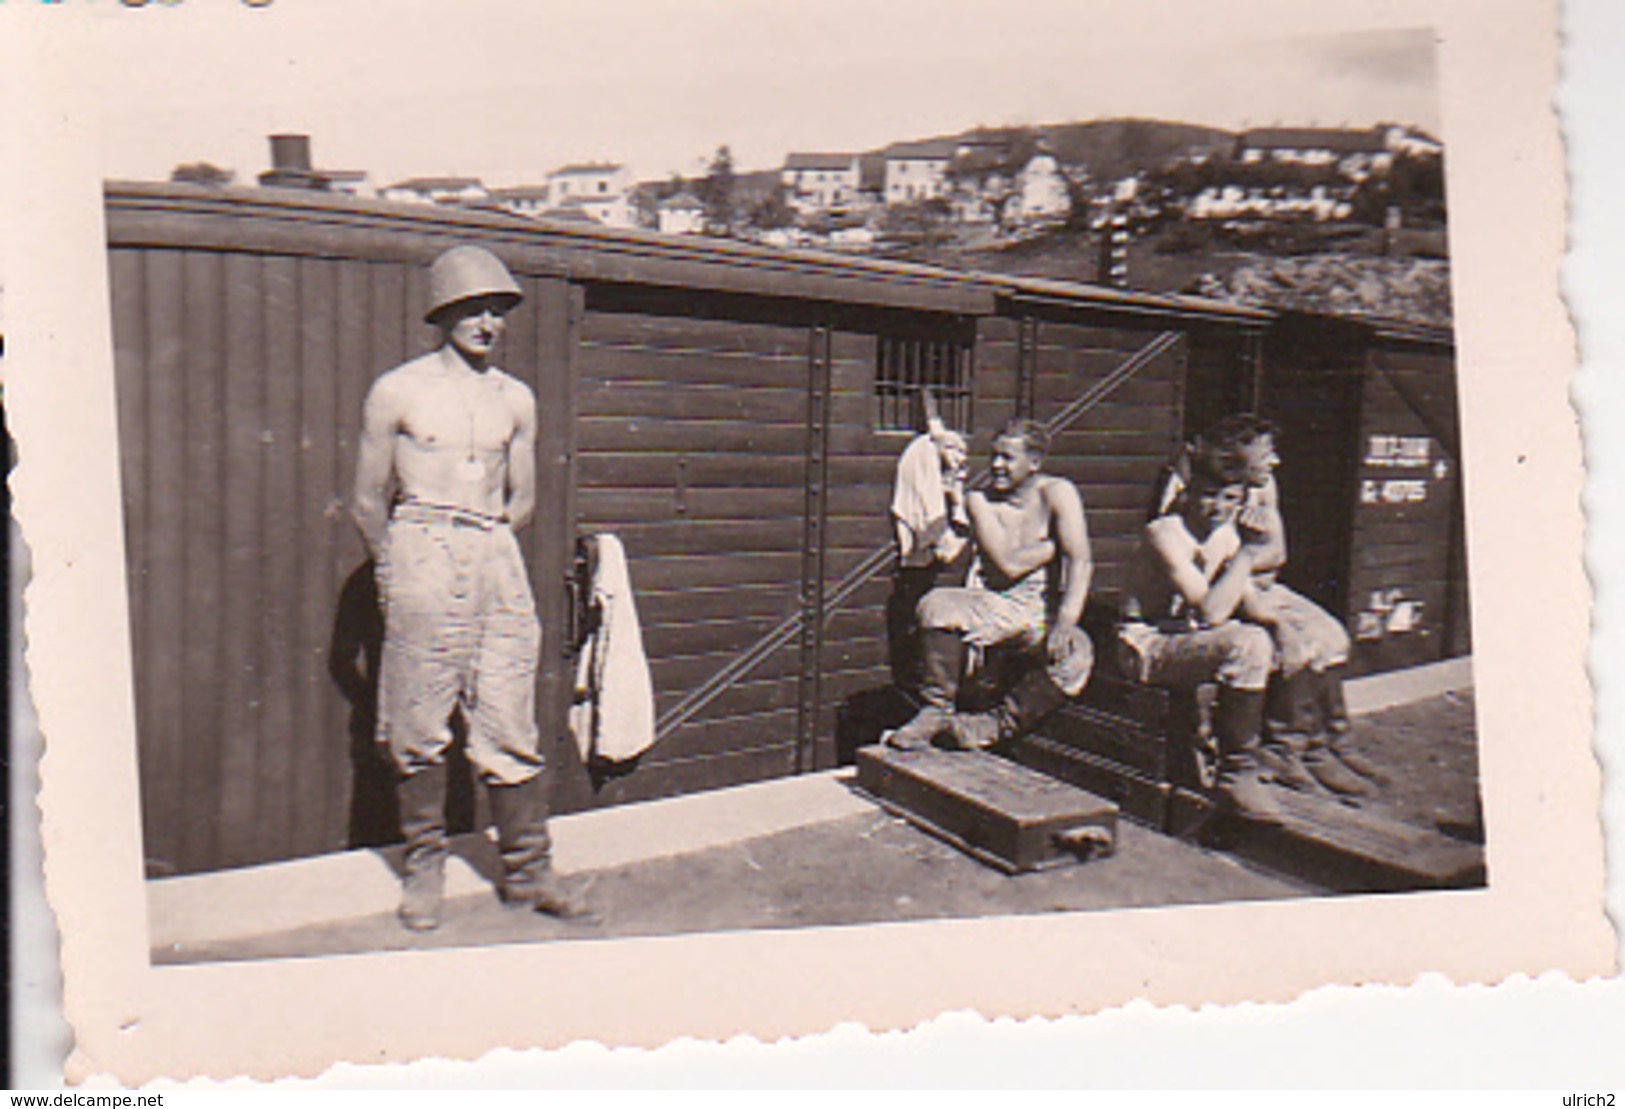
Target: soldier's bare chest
x: 1024, y: 516
x: 471, y: 414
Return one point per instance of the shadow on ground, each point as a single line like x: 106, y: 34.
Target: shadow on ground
x: 874, y: 868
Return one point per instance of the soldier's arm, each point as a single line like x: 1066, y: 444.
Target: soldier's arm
x: 521, y: 502
x: 955, y: 531
x: 1071, y: 531
x: 1257, y: 606
x: 998, y: 546
x: 1262, y: 524
x: 1216, y: 602
x: 375, y: 462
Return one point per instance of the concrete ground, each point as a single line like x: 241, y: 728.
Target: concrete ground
x: 794, y: 853
x: 862, y: 869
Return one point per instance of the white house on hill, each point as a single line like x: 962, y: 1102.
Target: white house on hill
x: 598, y: 188
x: 1317, y: 202
x: 1042, y: 192
x: 523, y: 200
x: 437, y: 190
x: 682, y: 214
x: 821, y: 182
x: 917, y: 171
x: 1356, y: 154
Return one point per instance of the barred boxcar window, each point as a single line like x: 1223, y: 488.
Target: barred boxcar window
x: 904, y: 366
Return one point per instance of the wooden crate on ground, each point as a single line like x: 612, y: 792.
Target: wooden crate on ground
x: 1143, y: 747
x: 1006, y: 815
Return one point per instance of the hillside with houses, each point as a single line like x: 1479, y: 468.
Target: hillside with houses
x: 1345, y: 219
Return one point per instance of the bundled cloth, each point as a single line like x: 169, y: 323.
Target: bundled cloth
x: 919, y: 504
x: 613, y: 716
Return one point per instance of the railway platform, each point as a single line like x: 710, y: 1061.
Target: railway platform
x: 808, y: 851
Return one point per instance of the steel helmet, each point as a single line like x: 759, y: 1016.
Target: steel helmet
x: 464, y: 272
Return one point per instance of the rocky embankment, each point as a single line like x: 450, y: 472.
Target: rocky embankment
x: 1414, y: 289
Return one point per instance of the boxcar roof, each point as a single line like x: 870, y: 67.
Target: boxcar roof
x: 1043, y: 290
x: 337, y: 225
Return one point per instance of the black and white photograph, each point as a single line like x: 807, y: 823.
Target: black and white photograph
x: 588, y: 477
x: 1065, y: 478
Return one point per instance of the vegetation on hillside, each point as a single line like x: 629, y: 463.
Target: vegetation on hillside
x: 1356, y: 263
x: 1414, y: 289
x: 1347, y: 268
x: 1110, y: 148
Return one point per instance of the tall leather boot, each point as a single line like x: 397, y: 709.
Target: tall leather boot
x: 1332, y: 705
x: 1241, y: 791
x: 943, y: 658
x: 1293, y: 727
x: 1029, y: 701
x: 1279, y: 709
x: 528, y: 878
x: 422, y: 798
x: 1321, y: 754
x: 1336, y: 712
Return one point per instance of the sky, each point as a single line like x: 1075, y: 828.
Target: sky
x: 506, y: 91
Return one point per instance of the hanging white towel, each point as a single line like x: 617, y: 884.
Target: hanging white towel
x: 613, y: 717
x: 919, y: 504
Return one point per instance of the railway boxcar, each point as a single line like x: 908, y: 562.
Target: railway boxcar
x: 732, y: 413
x: 1371, y: 484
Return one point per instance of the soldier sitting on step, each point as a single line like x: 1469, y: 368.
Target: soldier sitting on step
x: 1026, y: 591
x: 1188, y: 584
x: 1306, y: 710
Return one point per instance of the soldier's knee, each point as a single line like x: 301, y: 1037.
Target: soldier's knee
x: 1339, y: 639
x: 1071, y: 669
x: 1252, y: 654
x: 936, y: 609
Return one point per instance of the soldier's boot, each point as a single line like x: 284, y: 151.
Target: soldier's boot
x: 1280, y: 708
x: 1333, y: 707
x: 422, y: 797
x: 1331, y: 771
x: 528, y: 878
x: 943, y: 657
x: 1282, y: 764
x: 1335, y: 710
x: 1023, y: 708
x: 1293, y: 726
x: 1241, y: 790
x: 1323, y: 751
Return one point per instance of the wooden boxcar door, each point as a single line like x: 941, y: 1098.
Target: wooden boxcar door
x: 693, y: 447
x: 1403, y: 566
x: 1313, y: 395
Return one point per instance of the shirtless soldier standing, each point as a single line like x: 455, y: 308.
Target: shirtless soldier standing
x: 457, y: 437
x: 1032, y: 546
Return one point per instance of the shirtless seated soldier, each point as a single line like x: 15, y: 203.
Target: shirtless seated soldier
x: 454, y: 439
x: 1189, y: 582
x: 1032, y: 547
x: 1306, y: 711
